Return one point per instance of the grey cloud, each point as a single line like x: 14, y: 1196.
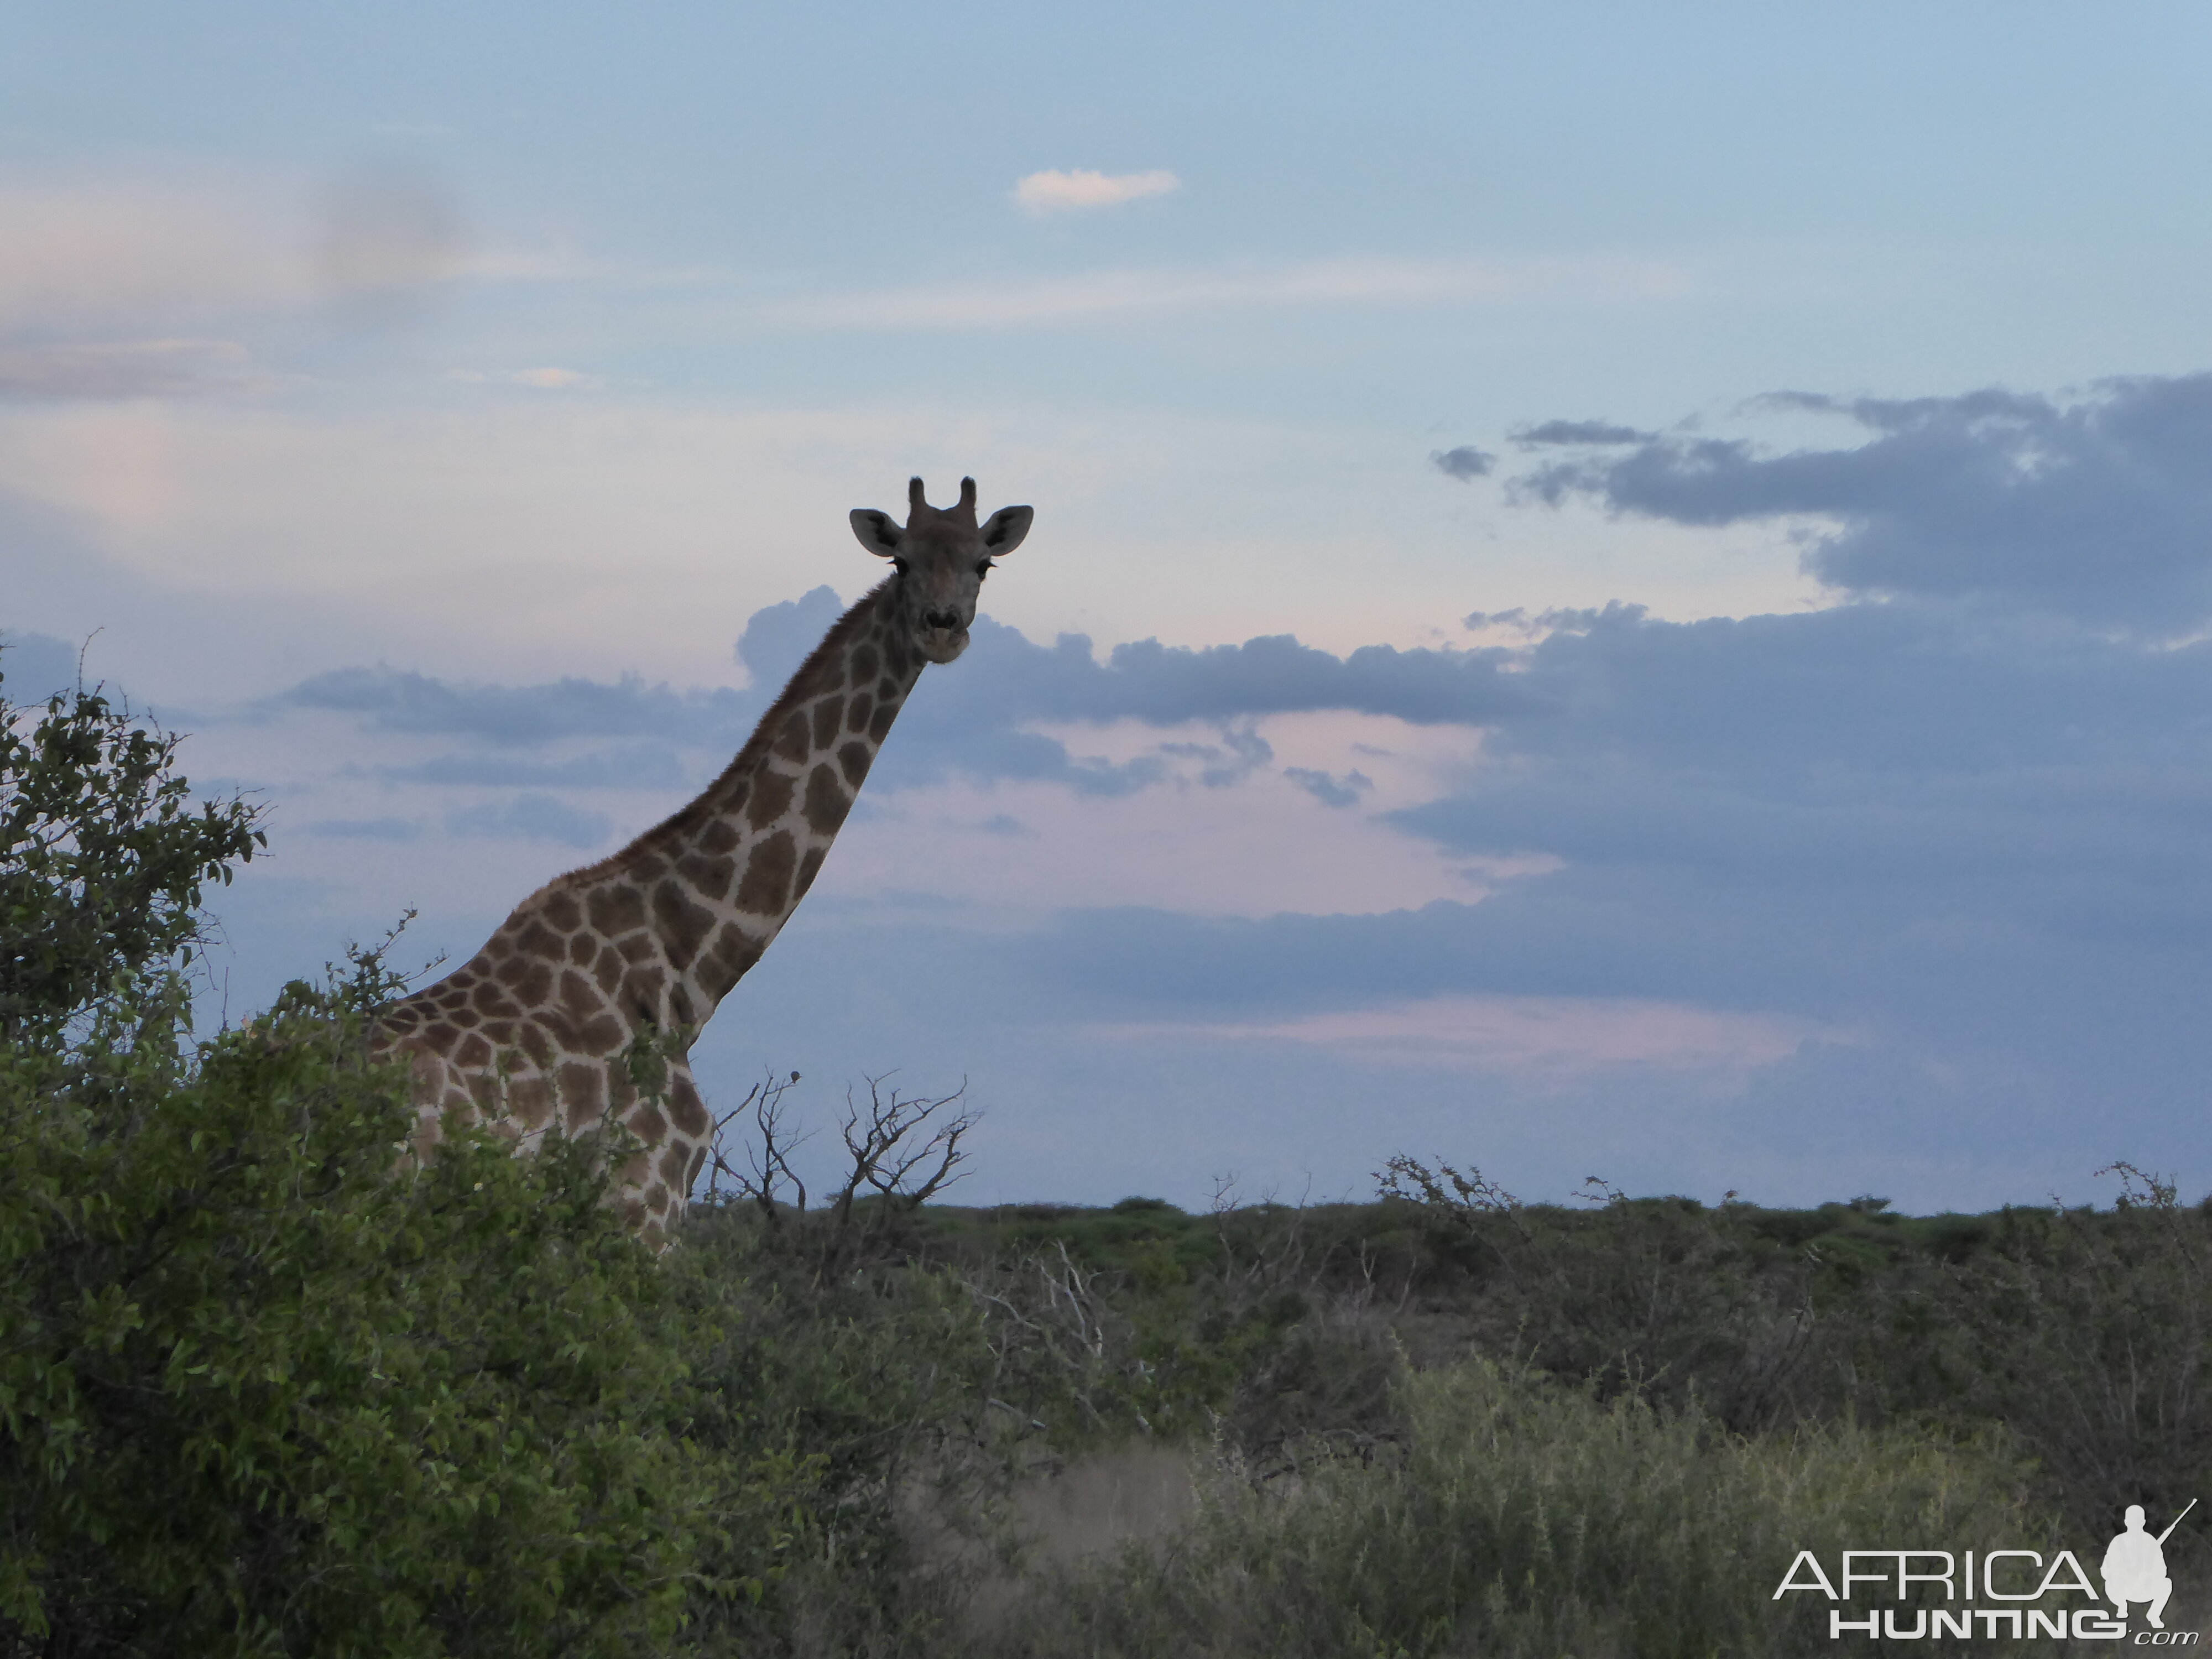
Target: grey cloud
x: 1464, y: 462
x: 1329, y: 791
x: 1238, y: 755
x: 781, y: 637
x: 364, y: 829
x: 390, y: 235
x: 128, y: 369
x: 967, y: 720
x: 531, y: 818
x: 1971, y: 839
x: 1166, y: 685
x: 637, y: 767
x: 1929, y: 816
x: 33, y: 666
x: 2100, y: 509
x: 1592, y: 433
x: 401, y: 701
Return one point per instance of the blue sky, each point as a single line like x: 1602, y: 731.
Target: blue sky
x: 1615, y: 591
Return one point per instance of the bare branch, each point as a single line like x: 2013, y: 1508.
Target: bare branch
x: 888, y: 1159
x: 768, y: 1174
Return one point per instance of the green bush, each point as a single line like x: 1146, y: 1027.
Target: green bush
x: 265, y: 1386
x: 262, y: 1393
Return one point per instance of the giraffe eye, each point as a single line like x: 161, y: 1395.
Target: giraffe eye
x: 983, y: 569
x: 899, y: 565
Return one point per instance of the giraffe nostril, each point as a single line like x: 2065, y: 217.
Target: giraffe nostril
x: 946, y: 619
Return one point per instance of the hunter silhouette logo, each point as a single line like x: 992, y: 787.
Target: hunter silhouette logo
x: 1926, y: 1588
x: 2135, y: 1565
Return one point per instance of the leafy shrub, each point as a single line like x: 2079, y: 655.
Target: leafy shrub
x: 264, y: 1387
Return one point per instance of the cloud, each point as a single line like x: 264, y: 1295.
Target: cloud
x: 387, y: 236
x: 539, y: 379
x: 33, y: 666
x: 531, y: 818
x: 130, y: 369
x: 365, y: 829
x: 1327, y: 790
x: 975, y: 722
x: 1057, y: 192
x: 1238, y: 755
x: 780, y: 637
x: 1166, y: 685
x: 1577, y: 432
x: 1556, y: 1035
x: 632, y: 768
x: 1936, y: 821
x: 396, y: 699
x: 2099, y: 509
x: 1464, y: 462
x: 88, y: 252
x: 1102, y: 294
x: 972, y: 722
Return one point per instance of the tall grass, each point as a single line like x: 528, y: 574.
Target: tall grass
x: 1527, y: 1517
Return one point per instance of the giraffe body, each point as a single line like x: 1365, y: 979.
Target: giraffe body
x: 536, y: 1031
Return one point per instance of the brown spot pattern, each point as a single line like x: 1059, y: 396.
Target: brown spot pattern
x: 616, y: 910
x: 808, y: 868
x: 766, y: 890
x: 827, y: 803
x: 711, y: 877
x: 673, y: 1160
x: 685, y: 1106
x: 682, y: 923
x: 735, y: 951
x: 829, y: 715
x: 771, y: 801
x: 583, y: 1091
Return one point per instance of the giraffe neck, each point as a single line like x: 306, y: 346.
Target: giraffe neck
x: 693, y: 901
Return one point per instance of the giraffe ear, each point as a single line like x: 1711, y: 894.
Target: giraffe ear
x: 1004, y: 530
x: 878, y: 531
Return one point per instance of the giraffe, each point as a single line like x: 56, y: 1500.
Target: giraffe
x: 536, y: 1030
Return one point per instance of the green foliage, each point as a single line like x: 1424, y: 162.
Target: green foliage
x: 102, y: 856
x: 263, y: 1393
x: 266, y: 1386
x: 867, y: 1393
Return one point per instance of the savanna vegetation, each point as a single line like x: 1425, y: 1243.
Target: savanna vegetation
x: 267, y: 1388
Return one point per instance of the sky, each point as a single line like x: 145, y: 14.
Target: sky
x: 1616, y: 591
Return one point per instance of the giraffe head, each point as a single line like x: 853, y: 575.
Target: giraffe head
x: 940, y: 558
